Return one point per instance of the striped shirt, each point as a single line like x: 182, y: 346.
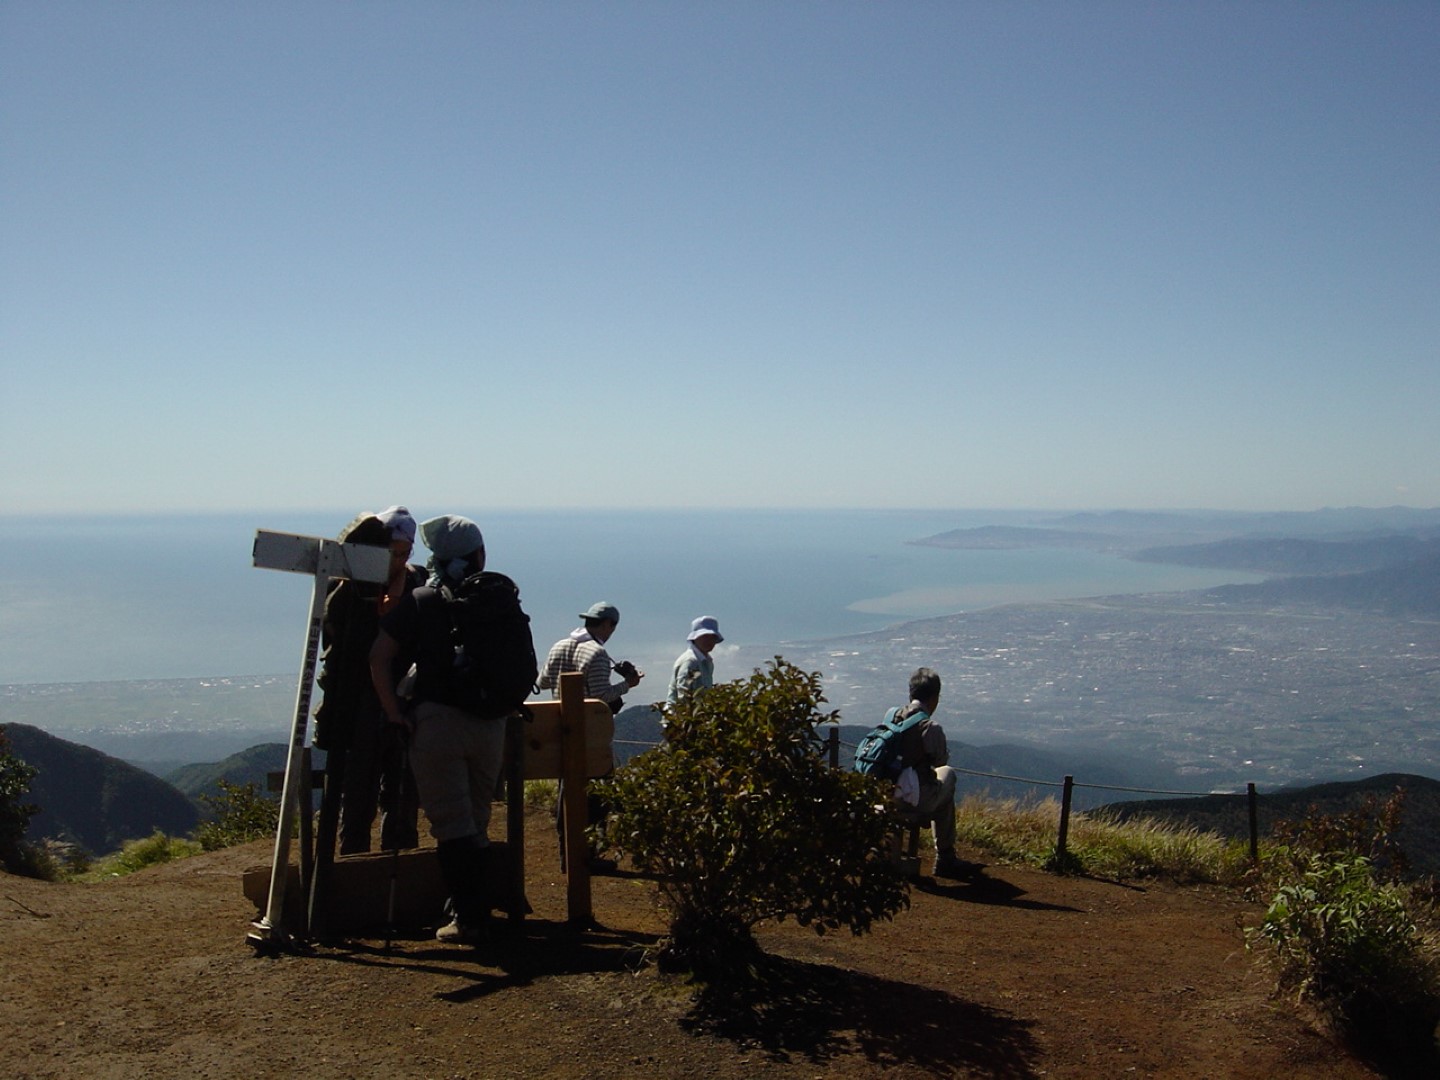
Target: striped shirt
x: 581, y: 652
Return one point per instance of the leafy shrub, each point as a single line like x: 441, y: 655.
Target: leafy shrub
x: 1372, y: 829
x: 541, y: 796
x: 241, y: 813
x: 1348, y: 945
x: 16, y: 856
x: 743, y: 822
x: 65, y: 859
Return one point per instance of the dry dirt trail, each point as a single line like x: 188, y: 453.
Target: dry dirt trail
x: 1013, y: 974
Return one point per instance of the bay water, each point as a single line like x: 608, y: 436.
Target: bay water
x: 87, y: 599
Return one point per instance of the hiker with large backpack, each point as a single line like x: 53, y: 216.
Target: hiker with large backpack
x: 909, y: 749
x: 474, y: 666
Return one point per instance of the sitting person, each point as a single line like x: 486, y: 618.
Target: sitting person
x: 926, y: 752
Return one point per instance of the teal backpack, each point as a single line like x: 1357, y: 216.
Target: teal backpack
x: 879, y: 752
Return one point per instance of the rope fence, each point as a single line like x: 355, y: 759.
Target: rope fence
x: 1068, y: 786
x: 832, y: 745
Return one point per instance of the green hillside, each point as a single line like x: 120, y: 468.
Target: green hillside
x: 92, y: 799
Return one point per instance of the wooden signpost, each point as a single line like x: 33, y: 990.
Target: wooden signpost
x: 324, y: 561
x: 569, y: 739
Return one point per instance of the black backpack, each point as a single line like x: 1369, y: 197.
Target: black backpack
x: 879, y: 753
x: 495, y: 666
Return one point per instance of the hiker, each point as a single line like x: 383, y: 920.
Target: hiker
x: 694, y: 668
x: 583, y: 650
x: 365, y: 770
x: 455, y: 753
x: 925, y: 755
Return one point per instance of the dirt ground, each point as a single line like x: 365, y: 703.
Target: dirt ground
x: 1011, y: 974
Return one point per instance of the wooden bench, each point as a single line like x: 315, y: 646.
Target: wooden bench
x: 905, y: 842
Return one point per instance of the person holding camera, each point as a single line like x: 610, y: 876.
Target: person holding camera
x: 583, y: 650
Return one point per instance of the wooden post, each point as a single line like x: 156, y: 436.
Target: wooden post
x: 515, y: 904
x: 832, y: 746
x: 1254, y: 802
x: 1063, y: 839
x: 572, y: 756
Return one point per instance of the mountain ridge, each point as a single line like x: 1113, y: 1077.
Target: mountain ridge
x: 94, y: 800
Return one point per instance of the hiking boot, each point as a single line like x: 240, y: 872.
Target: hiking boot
x: 457, y: 933
x: 948, y: 866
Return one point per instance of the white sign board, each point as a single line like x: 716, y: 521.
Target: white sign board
x: 305, y: 555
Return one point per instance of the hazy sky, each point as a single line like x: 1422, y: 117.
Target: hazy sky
x: 1000, y: 254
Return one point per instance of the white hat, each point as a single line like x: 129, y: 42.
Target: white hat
x: 398, y: 520
x: 706, y: 624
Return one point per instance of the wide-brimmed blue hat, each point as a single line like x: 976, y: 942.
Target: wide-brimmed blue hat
x: 706, y: 624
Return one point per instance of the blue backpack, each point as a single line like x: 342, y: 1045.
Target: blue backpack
x: 879, y: 753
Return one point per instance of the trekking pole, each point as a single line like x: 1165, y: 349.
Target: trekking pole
x: 404, y: 736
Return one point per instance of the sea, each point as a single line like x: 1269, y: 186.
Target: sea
x: 101, y: 599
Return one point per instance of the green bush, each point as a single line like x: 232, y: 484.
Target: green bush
x: 16, y: 856
x: 136, y: 855
x: 240, y: 813
x: 1348, y: 945
x: 1371, y: 829
x: 65, y: 859
x: 541, y: 796
x: 743, y: 822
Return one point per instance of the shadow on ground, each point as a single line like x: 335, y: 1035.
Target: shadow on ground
x: 794, y: 1009
x: 513, y: 957
x: 980, y: 889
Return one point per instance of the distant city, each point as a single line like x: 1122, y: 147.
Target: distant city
x: 1327, y: 670
x: 1177, y: 688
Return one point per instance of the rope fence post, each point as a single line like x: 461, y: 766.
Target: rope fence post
x: 1063, y: 838
x: 832, y: 747
x: 1254, y: 802
x: 1061, y: 858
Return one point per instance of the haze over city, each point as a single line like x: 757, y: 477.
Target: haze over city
x: 315, y: 255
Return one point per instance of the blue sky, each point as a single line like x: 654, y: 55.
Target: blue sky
x: 1041, y: 255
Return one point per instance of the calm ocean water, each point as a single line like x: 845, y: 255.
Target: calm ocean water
x: 98, y: 599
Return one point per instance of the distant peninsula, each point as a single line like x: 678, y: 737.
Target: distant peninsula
x: 1012, y: 537
x: 1320, y: 542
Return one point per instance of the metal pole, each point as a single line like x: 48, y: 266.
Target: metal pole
x: 395, y: 840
